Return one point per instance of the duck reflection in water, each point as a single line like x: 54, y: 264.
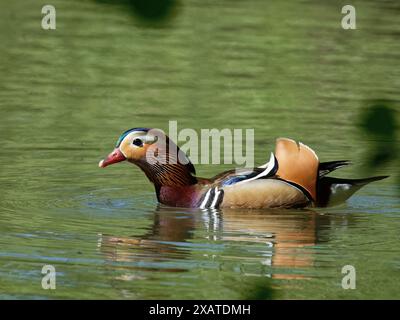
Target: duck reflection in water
x: 281, y: 242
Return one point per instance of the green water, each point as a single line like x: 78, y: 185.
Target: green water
x: 284, y: 69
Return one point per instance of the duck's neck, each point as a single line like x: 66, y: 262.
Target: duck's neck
x: 171, y: 172
x: 170, y: 175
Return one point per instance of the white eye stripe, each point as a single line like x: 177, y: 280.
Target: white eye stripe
x: 144, y: 137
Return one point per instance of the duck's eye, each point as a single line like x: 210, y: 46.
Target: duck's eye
x: 137, y: 142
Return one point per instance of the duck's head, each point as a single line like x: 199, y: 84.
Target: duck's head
x: 132, y: 145
x: 159, y: 157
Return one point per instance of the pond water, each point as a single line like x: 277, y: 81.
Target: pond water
x: 282, y: 69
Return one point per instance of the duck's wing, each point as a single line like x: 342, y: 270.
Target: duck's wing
x: 293, y: 162
x: 213, y: 189
x: 239, y: 176
x: 288, y: 178
x: 298, y: 164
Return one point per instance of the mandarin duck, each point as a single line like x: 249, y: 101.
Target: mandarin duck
x: 292, y: 178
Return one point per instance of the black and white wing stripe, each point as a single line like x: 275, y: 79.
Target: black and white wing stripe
x: 269, y: 169
x: 212, y: 198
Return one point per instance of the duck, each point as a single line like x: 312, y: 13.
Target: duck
x: 293, y: 177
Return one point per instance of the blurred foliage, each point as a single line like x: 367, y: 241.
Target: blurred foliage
x: 153, y: 9
x: 378, y: 122
x: 258, y: 288
x: 151, y: 13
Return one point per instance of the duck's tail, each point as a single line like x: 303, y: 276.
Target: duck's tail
x: 333, y: 191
